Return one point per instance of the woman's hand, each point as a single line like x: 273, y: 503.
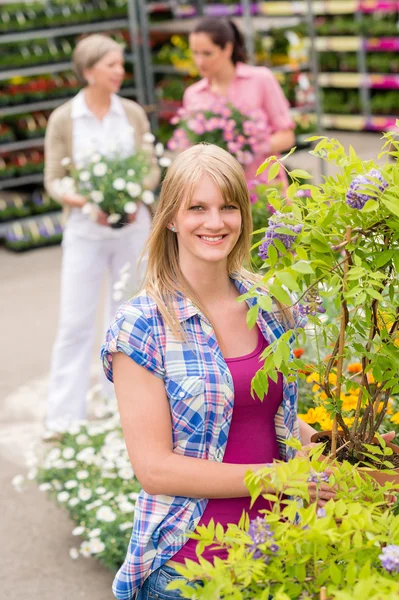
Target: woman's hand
x: 74, y: 200
x: 321, y: 492
x: 102, y: 217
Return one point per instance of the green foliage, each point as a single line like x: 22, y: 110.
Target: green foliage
x: 337, y: 547
x: 348, y: 257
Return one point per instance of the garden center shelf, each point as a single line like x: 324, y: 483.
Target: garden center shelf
x: 25, y: 220
x: 327, y: 7
x: 359, y: 122
x: 13, y: 182
x: 56, y: 67
x: 22, y: 36
x: 355, y: 43
x: 354, y: 80
x: 49, y: 104
x: 21, y: 145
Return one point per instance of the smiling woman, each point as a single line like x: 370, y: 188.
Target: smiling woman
x: 182, y: 357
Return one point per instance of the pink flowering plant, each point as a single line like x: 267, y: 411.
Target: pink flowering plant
x: 347, y: 549
x: 243, y: 134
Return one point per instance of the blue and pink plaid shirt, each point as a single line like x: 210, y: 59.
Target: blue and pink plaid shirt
x: 200, y: 391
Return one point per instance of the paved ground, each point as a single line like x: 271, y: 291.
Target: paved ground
x: 35, y: 534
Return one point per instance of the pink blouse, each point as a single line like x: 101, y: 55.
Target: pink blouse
x: 253, y: 88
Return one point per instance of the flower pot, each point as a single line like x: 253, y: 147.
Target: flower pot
x: 381, y: 477
x: 121, y: 223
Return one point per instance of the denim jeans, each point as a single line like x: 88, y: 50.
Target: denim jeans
x: 154, y: 587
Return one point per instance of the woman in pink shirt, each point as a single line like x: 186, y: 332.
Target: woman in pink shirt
x: 218, y: 50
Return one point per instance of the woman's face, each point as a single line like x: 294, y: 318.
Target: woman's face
x: 108, y: 73
x: 209, y: 58
x: 208, y: 228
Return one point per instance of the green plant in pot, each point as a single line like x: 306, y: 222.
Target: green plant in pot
x: 341, y: 243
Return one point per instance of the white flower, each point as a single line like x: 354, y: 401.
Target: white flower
x: 84, y: 176
x: 96, y: 158
x: 119, y: 184
x: 100, y: 490
x: 83, y: 474
x: 126, y: 507
x: 63, y: 496
x: 165, y: 162
x: 125, y: 526
x: 18, y: 482
x: 78, y: 530
x: 100, y: 169
x: 131, y: 172
x: 105, y: 513
x: 148, y: 197
x: 133, y: 189
x: 69, y: 485
x: 32, y: 474
x: 126, y: 473
x: 68, y: 453
x: 148, y: 137
x: 117, y: 295
x: 133, y: 495
x: 87, y: 208
x: 71, y: 464
x: 56, y: 484
x: 96, y: 546
x: 159, y: 149
x: 97, y: 196
x: 94, y: 504
x: 75, y: 427
x: 108, y: 496
x: 66, y: 161
x: 84, y: 494
x: 73, y: 502
x: 82, y: 439
x: 95, y: 533
x: 73, y: 553
x: 114, y: 218
x: 86, y: 455
x: 130, y: 208
x: 85, y: 549
x: 108, y: 475
x: 44, y: 487
x: 53, y: 454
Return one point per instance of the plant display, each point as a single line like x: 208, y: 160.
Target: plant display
x: 347, y: 550
x: 21, y: 163
x: 244, y: 135
x: 337, y: 101
x: 176, y: 52
x: 385, y: 103
x: 341, y: 244
x: 34, y: 234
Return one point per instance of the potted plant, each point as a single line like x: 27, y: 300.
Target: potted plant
x: 341, y: 244
x: 346, y: 550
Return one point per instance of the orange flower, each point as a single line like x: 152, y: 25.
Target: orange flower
x: 298, y: 352
x: 355, y: 367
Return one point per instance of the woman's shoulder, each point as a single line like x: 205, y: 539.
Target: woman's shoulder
x: 194, y: 89
x: 132, y: 108
x: 255, y: 72
x: 142, y: 309
x: 61, y: 113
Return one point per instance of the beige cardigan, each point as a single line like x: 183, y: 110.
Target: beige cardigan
x: 58, y: 143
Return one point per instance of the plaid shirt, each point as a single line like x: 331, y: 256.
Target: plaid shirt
x: 200, y: 391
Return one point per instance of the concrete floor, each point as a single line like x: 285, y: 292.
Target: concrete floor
x: 35, y: 534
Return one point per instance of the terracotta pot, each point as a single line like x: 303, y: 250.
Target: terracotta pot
x: 380, y: 477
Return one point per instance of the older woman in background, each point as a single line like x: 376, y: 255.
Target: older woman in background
x: 95, y: 120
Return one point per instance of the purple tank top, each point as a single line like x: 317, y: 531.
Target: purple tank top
x: 252, y: 439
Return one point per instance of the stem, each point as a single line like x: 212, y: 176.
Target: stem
x: 323, y: 593
x: 341, y: 346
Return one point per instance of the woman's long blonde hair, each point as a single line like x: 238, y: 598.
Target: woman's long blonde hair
x: 163, y: 278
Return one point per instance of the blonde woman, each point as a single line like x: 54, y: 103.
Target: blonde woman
x: 96, y: 120
x: 182, y: 358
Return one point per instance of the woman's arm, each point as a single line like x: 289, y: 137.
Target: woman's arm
x: 281, y: 141
x: 277, y: 109
x: 305, y: 432
x: 54, y: 151
x: 146, y: 423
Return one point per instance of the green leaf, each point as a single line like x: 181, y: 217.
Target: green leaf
x: 301, y: 253
x: 288, y: 280
x: 302, y: 267
x: 252, y: 316
x: 374, y: 294
x: 289, y: 153
x: 335, y: 573
x: 383, y: 258
x: 392, y: 207
x: 300, y: 173
x: 351, y: 573
x: 370, y: 206
x: 266, y: 303
x: 272, y: 254
x: 280, y: 294
x: 273, y: 171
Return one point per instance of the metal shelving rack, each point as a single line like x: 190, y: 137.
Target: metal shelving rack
x: 130, y: 22
x: 251, y: 17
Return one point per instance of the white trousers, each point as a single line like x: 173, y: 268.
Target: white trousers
x: 84, y: 264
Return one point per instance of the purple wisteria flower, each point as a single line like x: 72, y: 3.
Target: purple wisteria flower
x: 318, y: 477
x: 390, y: 558
x: 260, y: 533
x: 356, y: 198
x: 311, y: 303
x: 321, y: 513
x: 271, y: 235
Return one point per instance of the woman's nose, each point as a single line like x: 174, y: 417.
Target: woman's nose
x: 214, y: 220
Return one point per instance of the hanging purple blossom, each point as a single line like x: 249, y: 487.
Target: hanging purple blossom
x: 260, y: 533
x: 321, y: 513
x: 311, y: 303
x: 315, y: 477
x: 390, y: 558
x: 271, y: 235
x: 356, y: 198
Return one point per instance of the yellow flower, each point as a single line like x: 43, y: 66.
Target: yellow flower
x: 395, y: 418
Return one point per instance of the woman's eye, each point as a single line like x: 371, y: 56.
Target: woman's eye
x: 195, y: 207
x: 230, y: 207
